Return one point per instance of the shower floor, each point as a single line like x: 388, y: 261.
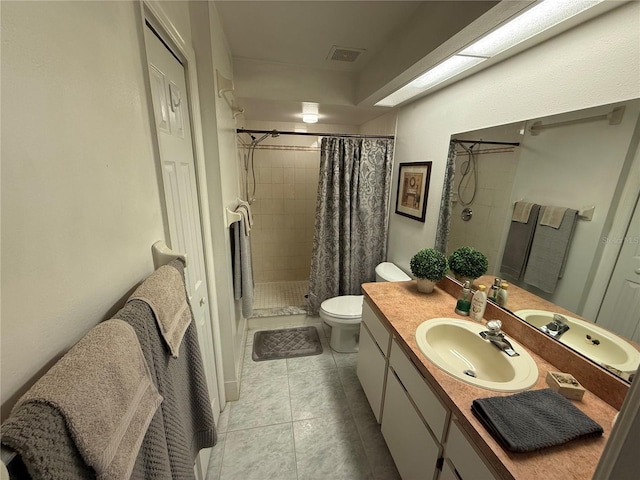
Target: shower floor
x: 280, y: 298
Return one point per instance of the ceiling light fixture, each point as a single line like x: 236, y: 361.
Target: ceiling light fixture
x: 310, y: 112
x: 531, y: 22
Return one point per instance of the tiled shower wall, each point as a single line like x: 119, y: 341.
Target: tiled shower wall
x: 496, y: 172
x: 286, y: 170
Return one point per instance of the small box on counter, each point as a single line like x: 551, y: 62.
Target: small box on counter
x: 565, y: 384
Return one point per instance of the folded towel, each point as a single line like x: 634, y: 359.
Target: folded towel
x: 247, y: 207
x: 518, y: 245
x: 533, y: 420
x: 521, y: 212
x: 164, y: 291
x: 549, y: 252
x: 242, y: 270
x: 103, y: 388
x: 552, y: 216
x: 245, y: 213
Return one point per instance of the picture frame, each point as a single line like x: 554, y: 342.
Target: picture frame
x: 413, y: 190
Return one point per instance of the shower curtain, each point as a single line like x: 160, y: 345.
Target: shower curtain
x: 444, y: 221
x: 351, y: 225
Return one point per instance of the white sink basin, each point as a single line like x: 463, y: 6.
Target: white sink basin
x: 456, y: 347
x: 603, y: 347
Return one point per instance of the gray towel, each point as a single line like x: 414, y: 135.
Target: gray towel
x: 533, y: 420
x: 103, y: 388
x: 516, y: 250
x: 164, y: 291
x: 242, y: 271
x: 549, y: 251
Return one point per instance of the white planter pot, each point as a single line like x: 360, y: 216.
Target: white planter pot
x: 425, y: 285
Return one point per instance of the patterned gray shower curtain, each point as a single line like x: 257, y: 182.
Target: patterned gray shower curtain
x: 351, y: 225
x: 444, y: 221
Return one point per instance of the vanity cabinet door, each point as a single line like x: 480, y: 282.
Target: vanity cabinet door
x: 434, y: 413
x: 413, y: 448
x: 371, y: 369
x: 468, y: 464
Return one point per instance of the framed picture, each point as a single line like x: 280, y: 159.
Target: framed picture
x: 413, y: 190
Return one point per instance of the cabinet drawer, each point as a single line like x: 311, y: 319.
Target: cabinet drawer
x: 371, y: 369
x: 413, y: 448
x: 429, y: 406
x: 379, y: 332
x: 464, y: 458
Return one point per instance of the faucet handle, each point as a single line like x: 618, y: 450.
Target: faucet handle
x: 559, y: 319
x: 494, y: 326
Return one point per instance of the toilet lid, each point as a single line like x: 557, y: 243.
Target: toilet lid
x: 391, y: 273
x: 346, y: 306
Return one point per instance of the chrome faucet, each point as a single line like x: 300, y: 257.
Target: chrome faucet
x: 497, y: 338
x: 556, y: 327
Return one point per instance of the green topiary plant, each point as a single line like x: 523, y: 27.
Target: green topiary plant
x: 468, y: 262
x: 429, y: 263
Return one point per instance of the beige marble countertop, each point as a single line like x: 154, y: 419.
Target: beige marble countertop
x: 404, y: 308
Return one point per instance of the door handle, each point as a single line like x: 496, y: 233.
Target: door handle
x: 202, y: 301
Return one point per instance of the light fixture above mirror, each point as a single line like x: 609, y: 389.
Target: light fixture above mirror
x: 528, y: 23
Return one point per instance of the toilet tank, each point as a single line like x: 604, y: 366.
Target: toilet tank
x: 389, y: 272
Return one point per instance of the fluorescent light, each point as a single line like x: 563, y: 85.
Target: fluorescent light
x: 310, y: 117
x: 529, y: 23
x: 533, y: 21
x: 444, y: 71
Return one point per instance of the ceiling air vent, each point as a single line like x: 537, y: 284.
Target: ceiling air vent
x: 344, y: 54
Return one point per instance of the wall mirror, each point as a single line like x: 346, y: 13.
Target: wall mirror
x: 585, y: 160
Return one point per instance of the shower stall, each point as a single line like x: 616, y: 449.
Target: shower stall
x: 280, y: 180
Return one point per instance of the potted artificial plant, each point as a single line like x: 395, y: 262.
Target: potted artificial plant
x: 429, y: 266
x: 467, y: 263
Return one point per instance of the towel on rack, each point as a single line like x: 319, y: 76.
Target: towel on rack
x: 164, y: 291
x: 521, y: 212
x: 532, y: 420
x: 249, y: 215
x: 183, y: 424
x: 242, y: 270
x: 549, y: 252
x: 552, y: 216
x: 103, y: 389
x: 518, y: 245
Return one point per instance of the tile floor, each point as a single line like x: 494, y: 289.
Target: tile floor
x: 301, y: 419
x: 280, y: 294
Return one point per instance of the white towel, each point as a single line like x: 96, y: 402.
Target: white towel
x: 245, y: 213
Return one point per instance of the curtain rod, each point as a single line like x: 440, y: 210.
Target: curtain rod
x: 312, y: 134
x: 482, y: 142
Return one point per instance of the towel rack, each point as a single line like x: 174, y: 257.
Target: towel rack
x: 162, y: 254
x: 231, y: 217
x: 585, y: 213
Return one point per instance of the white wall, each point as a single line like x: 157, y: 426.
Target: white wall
x: 81, y: 197
x: 576, y: 166
x: 593, y: 64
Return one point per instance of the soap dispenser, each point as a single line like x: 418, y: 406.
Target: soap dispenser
x: 478, y: 304
x: 463, y: 305
x: 503, y: 294
x: 495, y: 289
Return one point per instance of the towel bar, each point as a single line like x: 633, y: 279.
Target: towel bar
x: 585, y: 213
x: 231, y: 217
x: 162, y: 254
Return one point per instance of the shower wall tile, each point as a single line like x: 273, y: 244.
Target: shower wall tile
x: 284, y: 213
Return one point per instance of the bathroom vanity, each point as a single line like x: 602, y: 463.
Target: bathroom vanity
x: 425, y: 414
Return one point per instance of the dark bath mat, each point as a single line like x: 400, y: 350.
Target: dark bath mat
x: 286, y: 343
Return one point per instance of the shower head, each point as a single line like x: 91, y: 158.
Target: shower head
x: 273, y: 134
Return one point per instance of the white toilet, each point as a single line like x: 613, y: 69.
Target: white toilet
x: 343, y: 314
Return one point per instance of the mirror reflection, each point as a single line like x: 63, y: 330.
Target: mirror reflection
x: 578, y: 175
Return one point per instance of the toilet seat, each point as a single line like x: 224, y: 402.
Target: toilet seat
x: 346, y: 309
